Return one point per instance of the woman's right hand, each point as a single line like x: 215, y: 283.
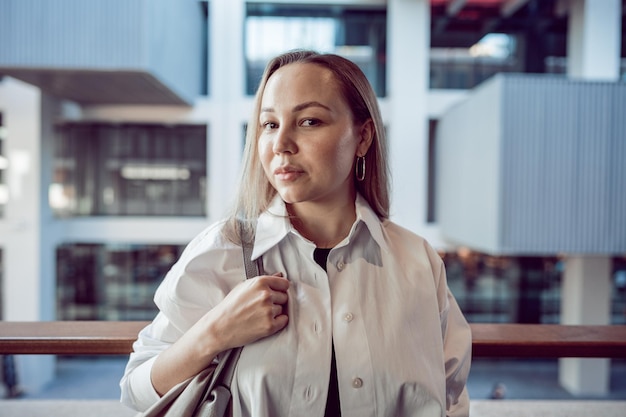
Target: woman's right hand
x: 254, y: 309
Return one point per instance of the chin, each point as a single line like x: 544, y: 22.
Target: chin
x: 290, y: 198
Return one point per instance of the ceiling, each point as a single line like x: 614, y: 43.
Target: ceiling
x: 461, y: 23
x: 454, y: 23
x: 98, y: 86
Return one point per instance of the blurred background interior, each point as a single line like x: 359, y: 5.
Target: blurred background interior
x: 122, y: 125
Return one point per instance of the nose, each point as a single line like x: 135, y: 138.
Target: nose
x: 284, y: 141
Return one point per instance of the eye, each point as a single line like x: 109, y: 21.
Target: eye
x: 268, y: 125
x: 310, y: 122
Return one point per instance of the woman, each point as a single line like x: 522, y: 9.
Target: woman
x: 354, y: 316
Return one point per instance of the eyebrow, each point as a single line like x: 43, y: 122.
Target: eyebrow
x: 299, y: 107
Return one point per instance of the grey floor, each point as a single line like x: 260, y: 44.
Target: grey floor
x: 97, y: 378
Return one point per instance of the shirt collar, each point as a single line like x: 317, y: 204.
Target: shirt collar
x: 365, y: 214
x: 274, y: 225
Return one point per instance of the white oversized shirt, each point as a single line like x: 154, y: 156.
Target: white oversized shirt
x: 403, y: 347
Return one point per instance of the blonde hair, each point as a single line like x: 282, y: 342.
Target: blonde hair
x: 255, y: 191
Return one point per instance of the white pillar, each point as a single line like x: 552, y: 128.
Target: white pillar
x: 225, y: 94
x: 594, y: 39
x: 586, y: 299
x: 28, y: 279
x: 408, y: 34
x: 593, y: 49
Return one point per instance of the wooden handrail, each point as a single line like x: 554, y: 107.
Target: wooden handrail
x: 489, y: 340
x: 548, y: 341
x: 69, y: 337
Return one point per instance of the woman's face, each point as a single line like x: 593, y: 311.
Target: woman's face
x: 308, y: 141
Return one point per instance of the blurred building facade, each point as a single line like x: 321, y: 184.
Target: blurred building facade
x: 122, y: 126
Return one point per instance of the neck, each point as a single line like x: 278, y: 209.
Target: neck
x: 324, y: 226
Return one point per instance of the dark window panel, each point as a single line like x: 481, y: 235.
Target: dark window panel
x: 359, y: 34
x: 129, y: 169
x: 111, y: 282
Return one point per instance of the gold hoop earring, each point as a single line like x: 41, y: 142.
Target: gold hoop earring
x: 360, y: 168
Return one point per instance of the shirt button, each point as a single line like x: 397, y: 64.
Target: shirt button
x: 348, y: 317
x: 340, y: 265
x: 357, y: 383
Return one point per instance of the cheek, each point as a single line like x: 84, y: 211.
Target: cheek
x: 264, y: 153
x: 344, y: 154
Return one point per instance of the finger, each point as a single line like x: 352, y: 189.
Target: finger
x: 279, y: 297
x: 281, y: 321
x: 277, y: 283
x: 277, y: 310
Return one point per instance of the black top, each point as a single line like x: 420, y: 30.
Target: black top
x: 333, y: 408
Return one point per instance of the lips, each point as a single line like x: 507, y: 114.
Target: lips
x: 287, y: 173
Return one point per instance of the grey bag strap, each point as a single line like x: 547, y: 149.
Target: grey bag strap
x: 229, y: 361
x: 253, y: 269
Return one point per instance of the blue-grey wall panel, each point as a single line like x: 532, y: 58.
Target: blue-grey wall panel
x: 72, y: 33
x: 72, y: 48
x: 563, y: 156
x: 556, y: 173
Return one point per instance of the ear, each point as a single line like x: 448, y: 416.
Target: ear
x: 366, y: 137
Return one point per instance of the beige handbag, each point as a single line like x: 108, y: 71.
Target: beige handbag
x: 205, y: 395
x: 208, y: 393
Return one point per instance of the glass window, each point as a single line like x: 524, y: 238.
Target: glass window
x: 519, y: 289
x: 464, y: 68
x: 111, y: 282
x: 355, y: 33
x: 505, y: 289
x: 130, y: 169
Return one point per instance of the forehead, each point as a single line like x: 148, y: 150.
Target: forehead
x: 300, y: 82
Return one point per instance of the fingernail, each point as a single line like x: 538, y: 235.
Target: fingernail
x: 278, y: 274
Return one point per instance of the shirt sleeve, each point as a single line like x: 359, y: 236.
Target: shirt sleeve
x: 458, y: 355
x: 136, y: 387
x: 457, y: 350
x: 206, y: 271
